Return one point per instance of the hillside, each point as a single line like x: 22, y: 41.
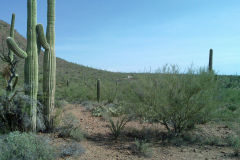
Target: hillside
x: 82, y: 80
x: 76, y: 74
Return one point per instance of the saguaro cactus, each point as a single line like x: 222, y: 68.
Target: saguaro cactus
x: 10, y: 70
x: 49, y: 74
x: 35, y: 38
x: 98, y: 90
x: 68, y: 82
x: 210, y: 60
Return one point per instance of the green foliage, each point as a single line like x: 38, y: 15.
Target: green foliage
x: 234, y: 142
x: 24, y: 146
x: 14, y: 115
x: 71, y: 149
x: 116, y: 126
x: 70, y: 128
x: 178, y: 101
x: 77, y: 134
x: 142, y: 148
x: 111, y: 109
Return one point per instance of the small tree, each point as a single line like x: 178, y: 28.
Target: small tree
x: 178, y: 101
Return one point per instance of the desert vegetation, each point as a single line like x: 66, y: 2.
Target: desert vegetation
x: 136, y: 114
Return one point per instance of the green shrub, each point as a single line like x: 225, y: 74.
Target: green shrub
x: 14, y: 114
x: 70, y: 128
x: 24, y: 146
x: 77, y: 134
x: 234, y: 142
x: 60, y: 104
x: 178, y: 101
x: 142, y: 148
x: 72, y: 149
x: 117, y: 126
x: 111, y: 109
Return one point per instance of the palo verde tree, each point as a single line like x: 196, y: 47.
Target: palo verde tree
x: 36, y: 40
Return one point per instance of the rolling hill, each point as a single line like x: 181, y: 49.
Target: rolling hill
x: 75, y: 73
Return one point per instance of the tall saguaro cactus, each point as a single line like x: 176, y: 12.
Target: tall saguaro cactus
x: 36, y: 40
x: 49, y: 71
x: 31, y: 62
x: 210, y: 60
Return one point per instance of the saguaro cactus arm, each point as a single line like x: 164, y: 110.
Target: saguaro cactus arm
x: 10, y: 54
x: 12, y: 45
x: 41, y: 37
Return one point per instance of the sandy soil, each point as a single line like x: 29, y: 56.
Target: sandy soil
x: 100, y: 146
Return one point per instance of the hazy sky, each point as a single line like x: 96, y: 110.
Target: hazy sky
x: 136, y: 35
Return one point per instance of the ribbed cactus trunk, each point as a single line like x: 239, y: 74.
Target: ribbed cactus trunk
x: 12, y: 35
x: 98, y: 90
x: 10, y: 55
x: 49, y: 71
x: 210, y: 65
x: 35, y: 40
x: 31, y: 62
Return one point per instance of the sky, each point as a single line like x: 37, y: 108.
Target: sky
x: 140, y: 35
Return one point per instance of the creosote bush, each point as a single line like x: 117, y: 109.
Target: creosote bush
x: 178, y: 101
x: 24, y: 146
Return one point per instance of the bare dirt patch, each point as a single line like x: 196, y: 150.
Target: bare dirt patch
x: 99, y: 144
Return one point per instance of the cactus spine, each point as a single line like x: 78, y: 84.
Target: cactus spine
x: 49, y: 74
x: 210, y: 60
x: 98, y: 90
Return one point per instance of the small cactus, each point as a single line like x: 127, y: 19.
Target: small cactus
x: 98, y: 90
x: 210, y: 68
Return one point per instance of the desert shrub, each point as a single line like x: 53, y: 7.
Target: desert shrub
x: 116, y: 126
x: 57, y: 118
x: 14, y: 114
x: 141, y: 148
x: 77, y: 134
x: 147, y: 133
x: 60, y: 103
x: 234, y: 142
x: 24, y: 146
x: 109, y: 91
x: 71, y: 149
x: 110, y: 108
x: 178, y: 101
x: 70, y: 128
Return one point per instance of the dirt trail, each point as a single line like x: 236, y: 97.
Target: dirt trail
x: 100, y: 146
